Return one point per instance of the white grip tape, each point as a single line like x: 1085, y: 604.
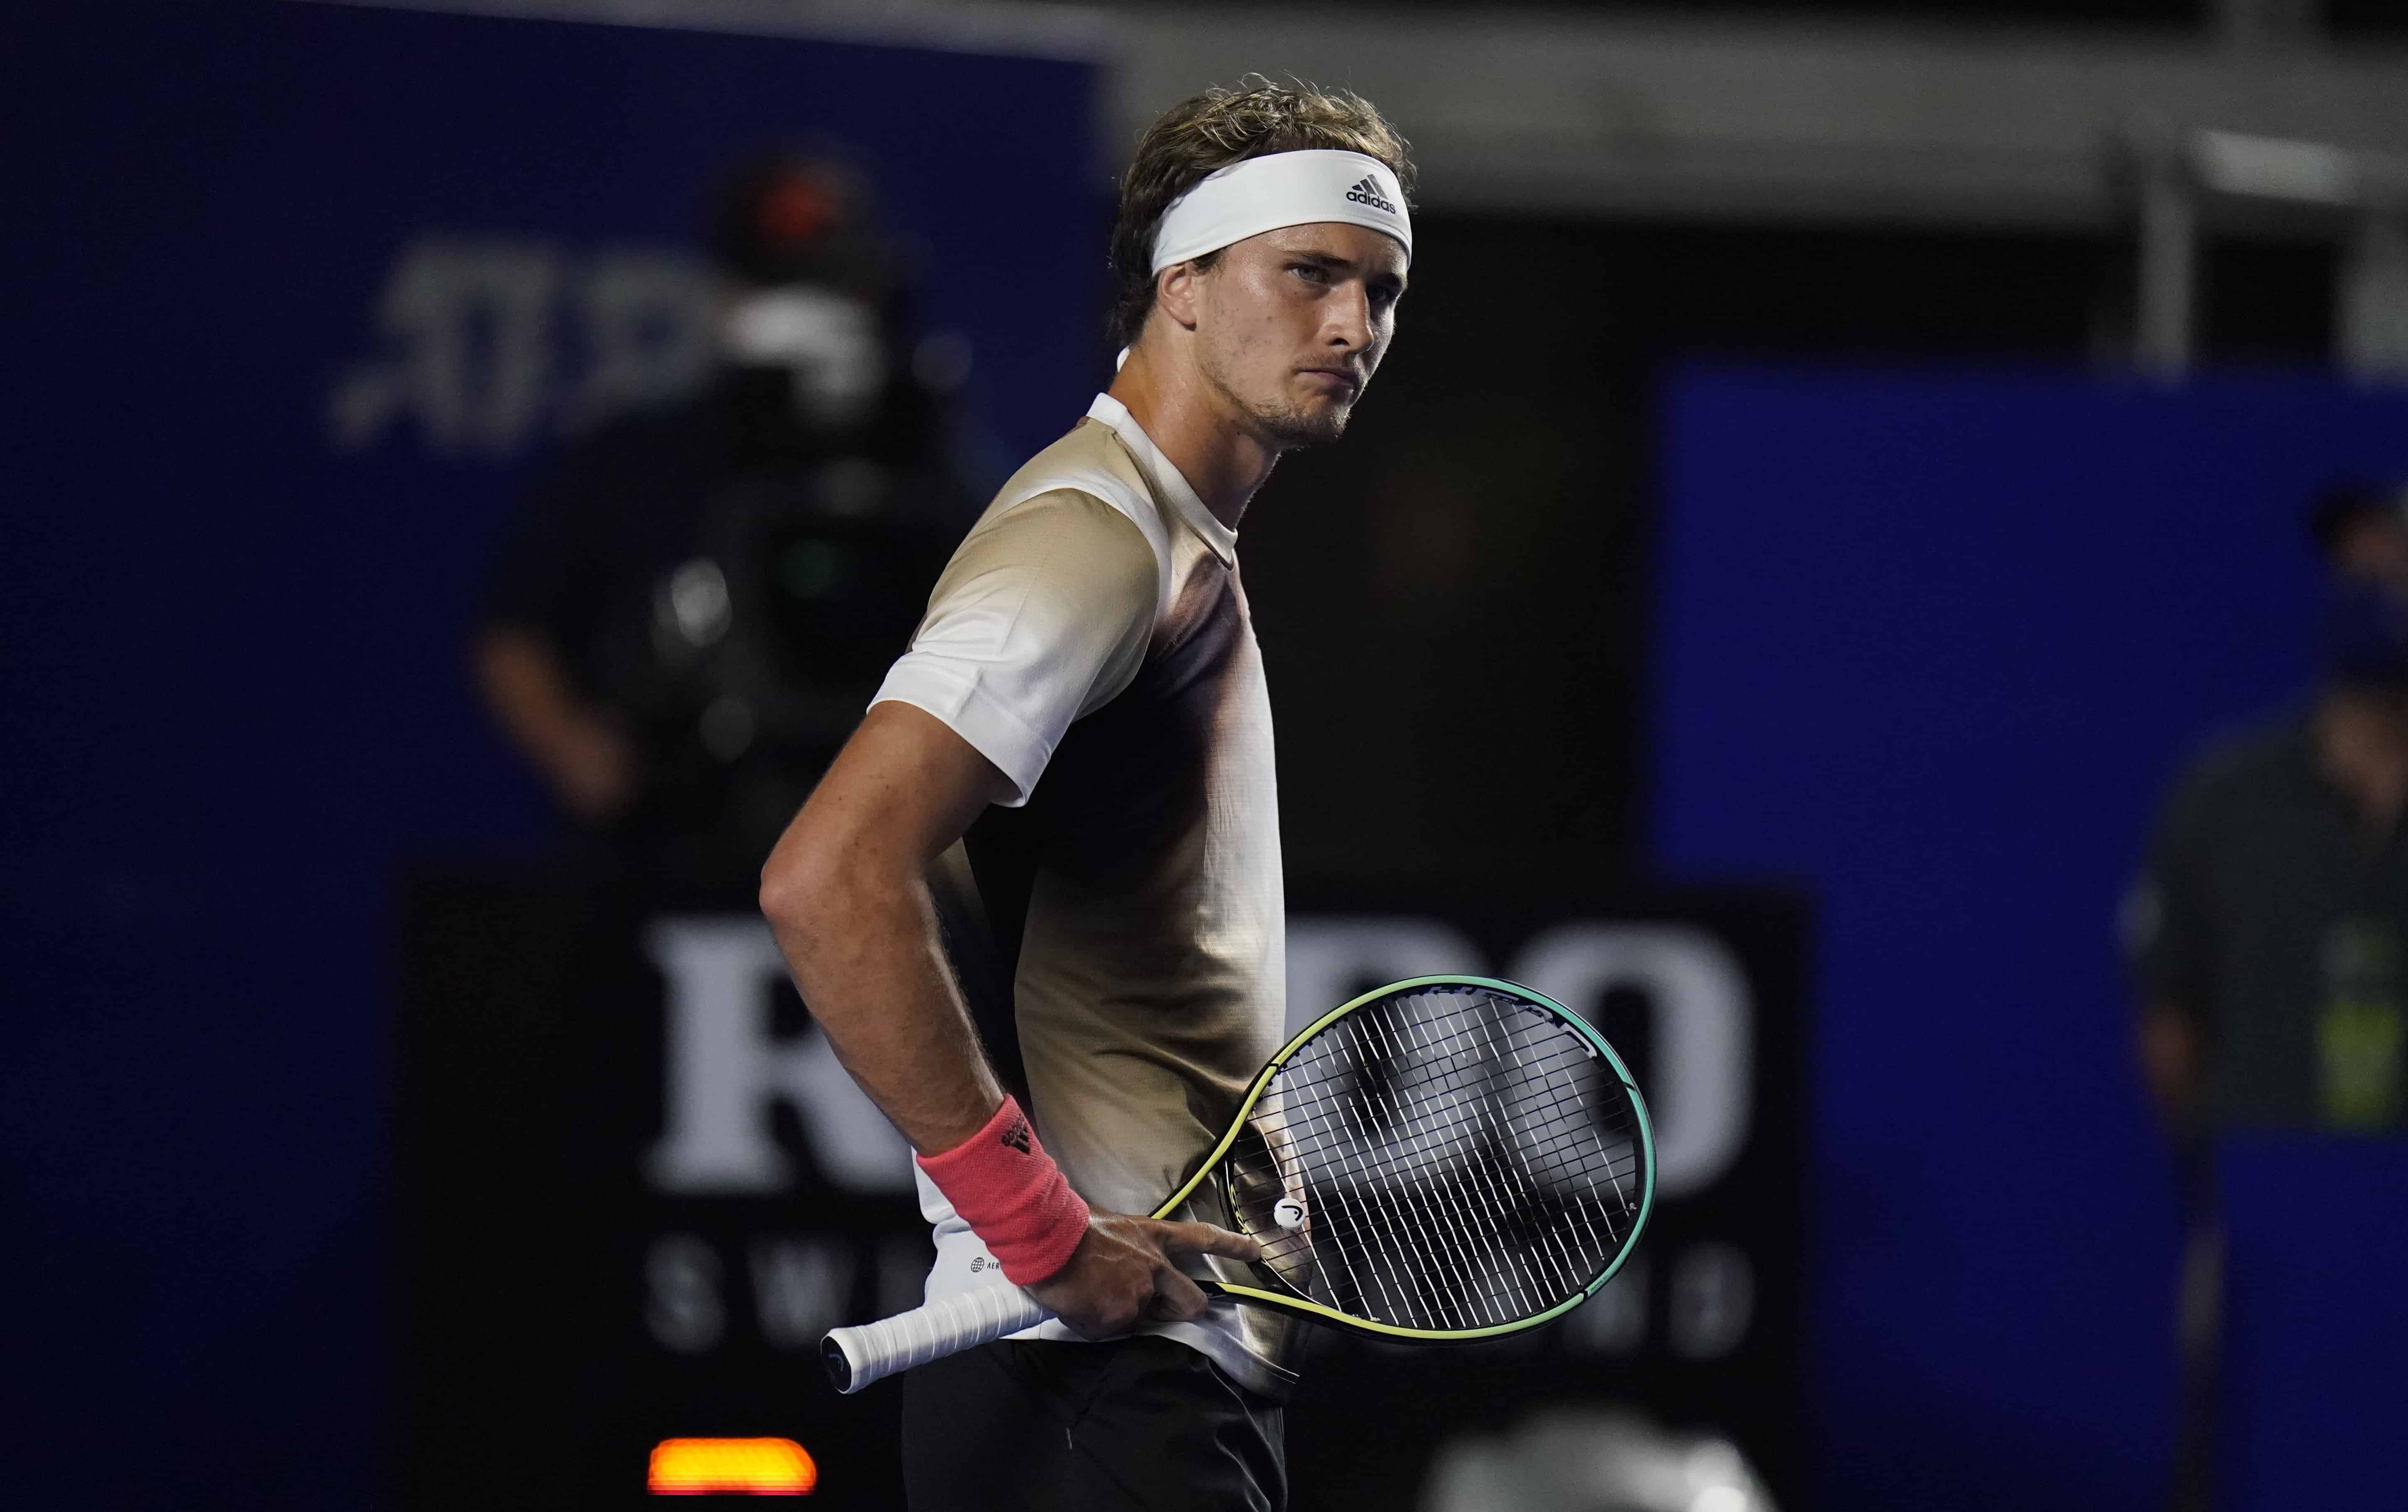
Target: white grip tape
x: 962, y: 1321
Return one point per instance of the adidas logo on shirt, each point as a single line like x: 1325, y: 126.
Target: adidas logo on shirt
x: 1368, y: 193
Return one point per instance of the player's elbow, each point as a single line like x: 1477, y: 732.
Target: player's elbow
x: 801, y: 884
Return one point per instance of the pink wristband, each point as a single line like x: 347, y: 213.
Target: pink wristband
x: 1012, y: 1195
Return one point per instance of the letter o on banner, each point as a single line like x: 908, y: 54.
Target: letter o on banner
x: 1699, y: 1089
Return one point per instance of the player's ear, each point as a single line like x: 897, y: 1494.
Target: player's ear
x: 1175, y: 292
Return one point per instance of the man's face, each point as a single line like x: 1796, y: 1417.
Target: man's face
x: 1291, y: 323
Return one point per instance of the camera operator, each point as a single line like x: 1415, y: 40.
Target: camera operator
x: 700, y: 600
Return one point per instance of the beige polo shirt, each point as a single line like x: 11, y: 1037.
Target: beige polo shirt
x: 1091, y: 639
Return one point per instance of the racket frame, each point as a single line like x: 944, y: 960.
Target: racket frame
x: 1007, y: 1309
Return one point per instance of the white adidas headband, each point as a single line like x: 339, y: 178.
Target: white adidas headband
x: 1283, y: 189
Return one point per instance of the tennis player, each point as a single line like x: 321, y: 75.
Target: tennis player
x: 1087, y: 677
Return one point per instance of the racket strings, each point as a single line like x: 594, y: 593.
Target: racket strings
x: 1563, y: 1106
x: 1488, y: 1271
x: 1472, y: 1207
x: 1452, y: 1159
x: 1616, y: 1120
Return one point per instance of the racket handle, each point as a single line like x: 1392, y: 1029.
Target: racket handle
x: 854, y: 1357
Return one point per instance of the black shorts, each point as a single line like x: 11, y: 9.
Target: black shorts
x: 1061, y: 1427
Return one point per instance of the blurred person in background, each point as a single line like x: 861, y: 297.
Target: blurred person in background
x: 699, y: 599
x: 2269, y: 924
x: 2268, y: 930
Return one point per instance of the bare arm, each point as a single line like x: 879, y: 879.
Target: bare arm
x: 847, y: 896
x: 586, y: 761
x: 846, y: 893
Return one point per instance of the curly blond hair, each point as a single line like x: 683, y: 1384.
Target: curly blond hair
x: 1208, y: 132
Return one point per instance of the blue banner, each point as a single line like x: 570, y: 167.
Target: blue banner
x: 299, y: 296
x: 1934, y: 643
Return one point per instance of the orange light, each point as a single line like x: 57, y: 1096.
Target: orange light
x: 739, y: 1466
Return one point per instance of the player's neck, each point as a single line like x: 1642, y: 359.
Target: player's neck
x: 1199, y: 430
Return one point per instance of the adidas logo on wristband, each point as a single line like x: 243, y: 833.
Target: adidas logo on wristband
x: 1015, y: 1199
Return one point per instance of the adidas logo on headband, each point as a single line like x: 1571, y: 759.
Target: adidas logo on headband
x: 1368, y: 193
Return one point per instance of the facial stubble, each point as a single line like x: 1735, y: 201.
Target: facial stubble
x: 1279, y: 425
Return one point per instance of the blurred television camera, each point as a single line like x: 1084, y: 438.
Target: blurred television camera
x: 701, y: 598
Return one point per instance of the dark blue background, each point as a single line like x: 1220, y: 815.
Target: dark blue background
x: 1933, y: 643
x: 2318, y: 1322
x: 232, y: 661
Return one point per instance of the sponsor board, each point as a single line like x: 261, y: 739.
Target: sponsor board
x: 640, y: 1186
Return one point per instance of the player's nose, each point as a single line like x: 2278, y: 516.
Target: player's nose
x: 1347, y: 318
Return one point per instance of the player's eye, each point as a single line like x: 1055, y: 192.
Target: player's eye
x: 1310, y: 272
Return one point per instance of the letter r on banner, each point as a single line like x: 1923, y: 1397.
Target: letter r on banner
x: 724, y: 1070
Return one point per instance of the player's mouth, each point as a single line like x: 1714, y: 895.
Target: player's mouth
x: 1342, y: 381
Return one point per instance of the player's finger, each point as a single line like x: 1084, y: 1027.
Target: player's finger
x: 1176, y: 1297
x: 1204, y: 1239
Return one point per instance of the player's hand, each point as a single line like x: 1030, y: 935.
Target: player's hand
x: 1125, y: 1272
x: 593, y: 769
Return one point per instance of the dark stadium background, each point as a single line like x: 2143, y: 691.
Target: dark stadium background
x: 1837, y: 583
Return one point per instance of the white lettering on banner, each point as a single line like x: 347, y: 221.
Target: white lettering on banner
x: 724, y: 1071
x: 471, y: 325
x: 646, y: 316
x: 1712, y: 1301
x: 485, y: 336
x: 1705, y: 1049
x: 1328, y: 958
x: 1614, y: 1322
x: 800, y: 1288
x: 681, y: 1303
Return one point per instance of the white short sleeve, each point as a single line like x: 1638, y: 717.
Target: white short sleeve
x: 1043, y: 615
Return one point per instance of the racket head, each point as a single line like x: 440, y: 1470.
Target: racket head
x: 1442, y: 1159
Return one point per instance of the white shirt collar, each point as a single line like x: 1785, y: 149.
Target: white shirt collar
x: 1173, y: 484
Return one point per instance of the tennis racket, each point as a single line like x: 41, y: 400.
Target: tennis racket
x: 1445, y: 1159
